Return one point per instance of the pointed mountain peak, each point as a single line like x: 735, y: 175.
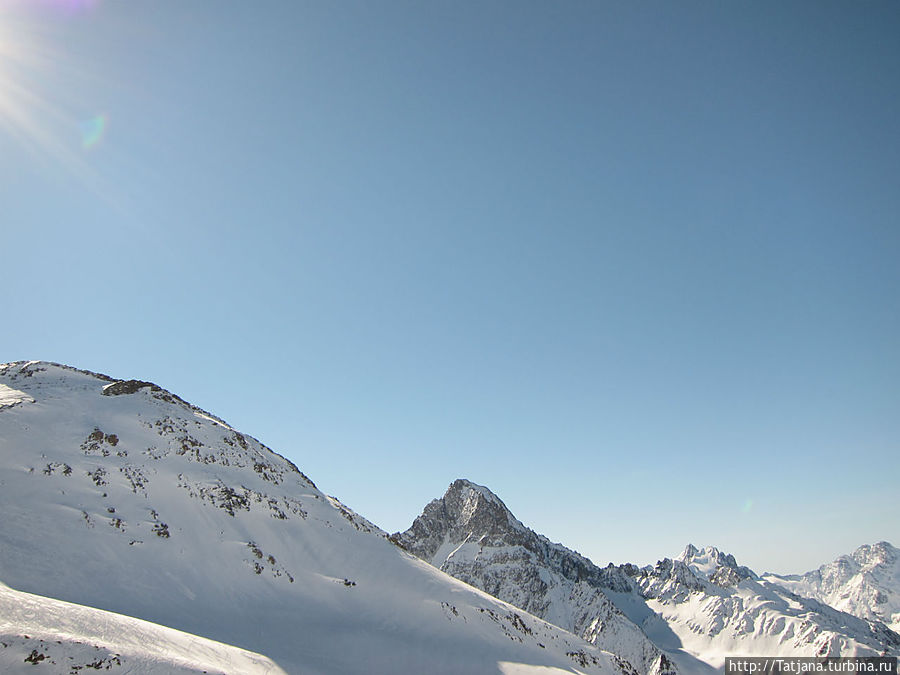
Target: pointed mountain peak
x: 470, y: 534
x: 472, y: 494
x: 470, y: 516
x: 689, y: 552
x: 466, y: 512
x: 713, y: 565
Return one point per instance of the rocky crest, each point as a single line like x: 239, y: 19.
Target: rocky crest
x: 718, y: 568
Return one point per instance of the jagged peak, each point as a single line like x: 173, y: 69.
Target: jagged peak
x: 713, y: 565
x: 468, y: 505
x: 471, y: 513
x: 881, y: 552
x: 689, y: 552
x: 700, y: 556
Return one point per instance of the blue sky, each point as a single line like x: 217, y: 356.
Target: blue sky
x: 633, y: 266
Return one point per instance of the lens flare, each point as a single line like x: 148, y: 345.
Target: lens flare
x: 748, y: 506
x: 92, y: 131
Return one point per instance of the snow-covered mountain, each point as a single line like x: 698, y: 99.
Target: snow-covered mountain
x: 692, y: 611
x: 715, y: 608
x: 865, y: 583
x: 140, y: 533
x: 120, y: 496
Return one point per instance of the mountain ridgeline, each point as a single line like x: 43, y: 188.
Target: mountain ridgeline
x: 120, y: 496
x: 141, y: 533
x: 686, y: 613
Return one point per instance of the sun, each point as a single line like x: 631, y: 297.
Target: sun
x: 40, y: 107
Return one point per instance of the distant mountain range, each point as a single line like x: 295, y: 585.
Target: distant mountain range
x: 689, y: 612
x: 141, y: 533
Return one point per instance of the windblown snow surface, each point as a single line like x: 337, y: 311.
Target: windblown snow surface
x: 120, y: 496
x: 64, y: 637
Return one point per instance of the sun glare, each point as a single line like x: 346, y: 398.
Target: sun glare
x: 41, y: 105
x: 25, y: 113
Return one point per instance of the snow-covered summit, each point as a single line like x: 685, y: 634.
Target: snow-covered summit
x: 467, y: 511
x: 865, y: 583
x: 713, y: 565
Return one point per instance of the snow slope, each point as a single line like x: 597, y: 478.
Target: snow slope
x: 10, y: 397
x: 65, y: 637
x: 119, y: 495
x: 865, y: 583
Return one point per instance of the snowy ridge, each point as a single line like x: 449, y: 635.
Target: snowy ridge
x: 865, y: 583
x: 118, y: 496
